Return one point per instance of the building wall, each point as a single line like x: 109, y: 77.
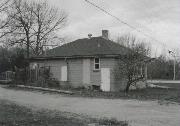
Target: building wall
x: 117, y: 81
x: 96, y: 74
x: 86, y: 71
x: 74, y: 69
x: 55, y: 66
x: 75, y: 72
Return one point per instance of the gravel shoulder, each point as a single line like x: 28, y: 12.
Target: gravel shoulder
x: 138, y: 113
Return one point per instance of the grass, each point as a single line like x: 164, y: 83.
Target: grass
x: 172, y: 95
x: 160, y: 94
x: 171, y: 85
x: 14, y: 115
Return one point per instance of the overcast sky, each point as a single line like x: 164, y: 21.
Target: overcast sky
x: 157, y: 18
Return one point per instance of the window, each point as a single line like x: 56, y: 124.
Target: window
x: 96, y: 63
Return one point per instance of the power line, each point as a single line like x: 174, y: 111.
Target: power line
x: 123, y: 22
x: 142, y: 26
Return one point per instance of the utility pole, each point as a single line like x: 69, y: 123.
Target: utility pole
x: 173, y: 54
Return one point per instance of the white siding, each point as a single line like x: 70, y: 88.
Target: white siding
x: 75, y: 72
x: 86, y: 71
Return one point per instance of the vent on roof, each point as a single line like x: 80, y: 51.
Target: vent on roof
x: 105, y: 34
x: 89, y: 36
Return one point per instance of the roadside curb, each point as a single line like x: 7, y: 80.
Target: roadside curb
x: 151, y: 85
x: 45, y: 89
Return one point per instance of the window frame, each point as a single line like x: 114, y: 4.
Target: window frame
x: 95, y: 69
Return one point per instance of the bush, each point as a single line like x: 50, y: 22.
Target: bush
x: 80, y: 88
x: 41, y: 82
x: 53, y: 83
x: 66, y: 87
x: 112, y: 122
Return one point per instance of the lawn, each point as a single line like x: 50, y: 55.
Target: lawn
x: 172, y: 95
x: 14, y: 115
x: 171, y: 85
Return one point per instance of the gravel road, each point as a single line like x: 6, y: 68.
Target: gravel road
x: 138, y: 113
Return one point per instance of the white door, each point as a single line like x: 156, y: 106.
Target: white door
x: 105, y: 79
x: 64, y: 73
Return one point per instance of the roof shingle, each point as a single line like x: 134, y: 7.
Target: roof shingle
x: 87, y: 47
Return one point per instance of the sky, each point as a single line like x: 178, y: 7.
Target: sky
x: 159, y: 19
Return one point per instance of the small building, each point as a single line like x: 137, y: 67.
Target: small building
x: 88, y: 62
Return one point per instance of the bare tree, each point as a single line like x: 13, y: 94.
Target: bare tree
x: 4, y: 4
x: 34, y: 24
x: 132, y: 65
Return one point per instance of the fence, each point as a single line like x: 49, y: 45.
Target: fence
x: 7, y: 75
x: 39, y: 73
x: 40, y: 76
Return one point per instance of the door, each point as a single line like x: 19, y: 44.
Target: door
x: 64, y: 73
x: 105, y: 79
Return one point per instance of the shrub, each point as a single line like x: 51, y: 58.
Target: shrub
x: 53, y: 83
x: 112, y: 122
x: 66, y: 87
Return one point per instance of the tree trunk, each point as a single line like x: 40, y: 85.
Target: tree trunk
x: 28, y: 44
x: 127, y: 87
x: 27, y: 51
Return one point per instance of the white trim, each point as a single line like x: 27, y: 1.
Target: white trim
x: 97, y: 63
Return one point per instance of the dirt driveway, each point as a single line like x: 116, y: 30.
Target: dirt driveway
x: 138, y: 113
